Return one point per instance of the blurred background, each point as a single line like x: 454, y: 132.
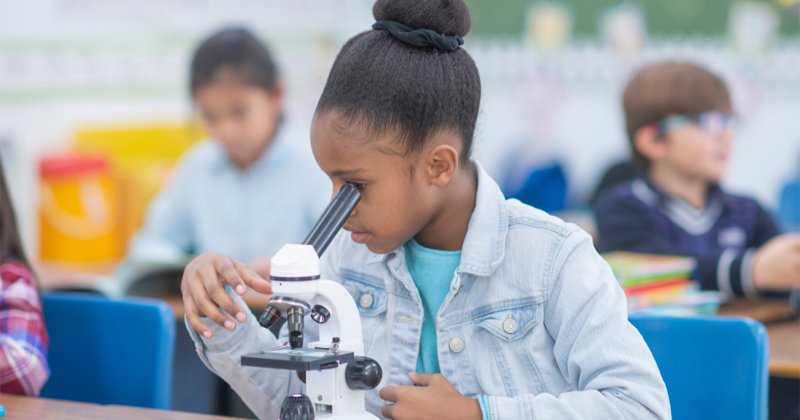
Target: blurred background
x: 110, y: 78
x: 95, y: 108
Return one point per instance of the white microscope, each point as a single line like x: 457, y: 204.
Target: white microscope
x: 336, y: 372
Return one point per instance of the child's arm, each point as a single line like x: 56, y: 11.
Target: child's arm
x: 261, y: 389
x: 597, y: 350
x: 772, y: 263
x: 776, y: 265
x: 23, y: 340
x: 211, y: 287
x: 623, y: 226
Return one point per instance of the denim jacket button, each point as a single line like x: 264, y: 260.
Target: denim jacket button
x: 456, y: 345
x: 365, y: 301
x: 510, y: 325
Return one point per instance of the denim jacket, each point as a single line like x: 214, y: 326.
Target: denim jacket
x: 534, y: 324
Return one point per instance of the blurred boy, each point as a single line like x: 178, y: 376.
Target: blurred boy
x: 679, y: 123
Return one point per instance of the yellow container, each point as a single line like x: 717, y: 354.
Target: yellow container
x: 78, y: 214
x: 142, y: 157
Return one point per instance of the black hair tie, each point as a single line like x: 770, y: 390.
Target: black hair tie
x: 422, y: 38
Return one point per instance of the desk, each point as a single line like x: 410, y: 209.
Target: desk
x: 783, y: 333
x: 784, y: 349
x: 22, y: 407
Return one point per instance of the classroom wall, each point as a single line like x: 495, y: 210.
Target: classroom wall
x: 67, y: 63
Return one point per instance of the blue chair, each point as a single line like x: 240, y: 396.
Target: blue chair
x: 714, y: 367
x: 789, y: 205
x: 544, y: 187
x: 109, y: 351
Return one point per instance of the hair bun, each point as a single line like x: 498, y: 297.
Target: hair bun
x: 448, y: 17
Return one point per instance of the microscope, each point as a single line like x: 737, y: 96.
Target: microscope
x: 336, y: 372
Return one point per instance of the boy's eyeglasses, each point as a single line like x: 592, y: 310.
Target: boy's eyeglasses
x: 713, y: 123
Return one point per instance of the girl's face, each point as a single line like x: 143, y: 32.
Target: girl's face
x: 397, y: 201
x: 243, y: 118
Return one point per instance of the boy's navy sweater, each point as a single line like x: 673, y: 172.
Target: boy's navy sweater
x: 722, y: 237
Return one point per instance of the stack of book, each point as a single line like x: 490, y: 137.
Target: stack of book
x: 658, y: 283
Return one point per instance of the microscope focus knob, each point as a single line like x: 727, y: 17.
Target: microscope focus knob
x: 320, y: 314
x: 297, y: 407
x: 363, y: 373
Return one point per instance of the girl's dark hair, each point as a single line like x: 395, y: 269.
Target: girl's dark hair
x: 10, y: 241
x: 386, y: 84
x: 235, y: 50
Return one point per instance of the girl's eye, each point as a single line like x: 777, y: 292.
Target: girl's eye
x: 359, y: 186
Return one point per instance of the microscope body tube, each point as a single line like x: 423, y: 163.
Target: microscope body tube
x: 301, y: 267
x: 333, y: 218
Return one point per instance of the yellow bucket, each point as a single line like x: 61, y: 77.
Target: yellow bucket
x: 78, y: 214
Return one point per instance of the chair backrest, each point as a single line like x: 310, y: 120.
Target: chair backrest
x: 543, y: 186
x: 109, y: 351
x: 714, y: 367
x: 789, y: 205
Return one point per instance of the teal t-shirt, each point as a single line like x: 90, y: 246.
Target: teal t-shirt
x: 432, y: 271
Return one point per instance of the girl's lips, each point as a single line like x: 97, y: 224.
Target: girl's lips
x: 359, y: 237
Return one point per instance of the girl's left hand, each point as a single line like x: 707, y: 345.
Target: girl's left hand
x: 433, y: 397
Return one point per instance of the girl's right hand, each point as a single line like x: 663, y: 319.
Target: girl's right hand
x: 203, y: 289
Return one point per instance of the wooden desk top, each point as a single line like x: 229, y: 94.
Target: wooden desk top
x: 22, y: 407
x: 764, y: 310
x: 783, y: 332
x: 784, y: 349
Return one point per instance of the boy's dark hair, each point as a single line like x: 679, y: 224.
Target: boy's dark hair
x: 10, y: 241
x: 235, y: 50
x: 670, y: 88
x: 386, y: 84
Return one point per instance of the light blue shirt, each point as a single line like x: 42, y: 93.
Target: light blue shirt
x: 212, y: 205
x: 534, y: 324
x: 432, y: 271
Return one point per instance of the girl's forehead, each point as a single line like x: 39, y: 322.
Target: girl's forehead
x: 330, y: 129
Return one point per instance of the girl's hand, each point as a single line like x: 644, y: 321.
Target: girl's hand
x: 433, y: 397
x: 203, y: 289
x: 261, y: 266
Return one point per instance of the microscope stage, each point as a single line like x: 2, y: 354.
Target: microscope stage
x: 301, y: 360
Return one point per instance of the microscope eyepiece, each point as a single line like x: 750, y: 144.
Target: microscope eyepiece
x: 333, y: 218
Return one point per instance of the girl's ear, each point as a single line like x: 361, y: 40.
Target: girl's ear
x: 647, y: 142
x: 441, y: 163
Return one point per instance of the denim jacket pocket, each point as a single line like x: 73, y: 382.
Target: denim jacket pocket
x: 510, y: 323
x: 507, y: 329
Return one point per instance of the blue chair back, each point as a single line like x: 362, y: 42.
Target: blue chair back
x: 109, y: 351
x: 544, y: 187
x: 789, y: 205
x: 714, y: 367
